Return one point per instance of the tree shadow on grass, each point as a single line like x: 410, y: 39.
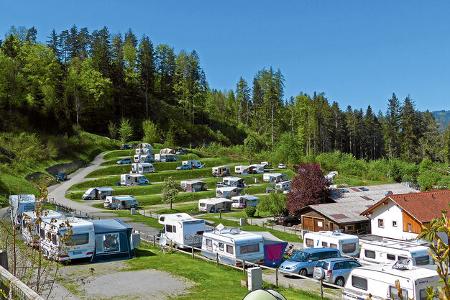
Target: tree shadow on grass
x: 144, y: 253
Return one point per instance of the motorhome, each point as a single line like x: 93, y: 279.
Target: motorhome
x: 384, y: 281
x: 227, y: 192
x: 220, y: 171
x: 346, y: 243
x: 233, y: 246
x: 388, y: 251
x: 30, y: 226
x: 284, y: 186
x: 193, y: 185
x: 18, y: 205
x: 144, y: 149
x: 274, y: 177
x: 255, y: 169
x: 67, y: 239
x: 232, y: 181
x: 97, y: 193
x: 167, y: 151
x: 214, y: 205
x: 165, y: 157
x: 146, y: 158
x: 241, y: 169
x: 120, y: 202
x: 133, y: 179
x: 193, y: 163
x: 182, y: 229
x: 142, y: 168
x: 244, y: 201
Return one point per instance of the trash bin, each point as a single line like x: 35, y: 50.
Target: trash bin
x: 254, y: 278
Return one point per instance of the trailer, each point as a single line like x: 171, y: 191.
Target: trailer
x: 120, y: 202
x: 284, y: 186
x: 133, y: 179
x: 274, y: 177
x: 97, y: 193
x: 193, y: 163
x: 220, y: 171
x: 227, y: 192
x: 214, y: 205
x: 232, y: 181
x: 182, y: 229
x: 347, y: 244
x: 30, y: 225
x: 18, y: 205
x: 165, y: 157
x: 167, y: 151
x: 244, y: 201
x: 142, y: 168
x: 193, y: 185
x: 144, y: 149
x: 145, y: 158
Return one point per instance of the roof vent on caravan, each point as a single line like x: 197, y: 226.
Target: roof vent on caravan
x: 403, y: 264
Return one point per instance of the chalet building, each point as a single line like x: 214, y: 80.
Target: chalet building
x: 402, y: 216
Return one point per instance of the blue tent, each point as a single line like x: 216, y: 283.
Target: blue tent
x: 112, y: 239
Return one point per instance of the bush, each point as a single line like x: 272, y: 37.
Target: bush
x: 150, y: 130
x: 125, y: 130
x: 427, y: 180
x: 250, y: 211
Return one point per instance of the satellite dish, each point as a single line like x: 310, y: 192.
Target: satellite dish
x: 220, y: 227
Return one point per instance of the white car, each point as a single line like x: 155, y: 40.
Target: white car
x: 281, y: 166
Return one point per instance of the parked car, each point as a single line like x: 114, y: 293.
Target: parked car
x: 124, y: 161
x: 303, y: 261
x: 61, y: 177
x: 287, y: 221
x: 125, y: 147
x: 335, y: 270
x: 281, y: 166
x: 184, y: 167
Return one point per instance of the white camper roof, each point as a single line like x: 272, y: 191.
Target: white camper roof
x: 233, y: 235
x: 273, y: 174
x: 247, y: 197
x: 46, y: 214
x: 333, y: 234
x: 227, y: 188
x: 413, y: 272
x: 181, y: 217
x: 214, y: 200
x: 144, y: 145
x: 104, y: 189
x: 123, y: 197
x: 232, y: 178
x: 75, y: 223
x: 411, y: 246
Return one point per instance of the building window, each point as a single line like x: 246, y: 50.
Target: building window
x: 409, y: 227
x: 380, y: 223
x: 394, y: 223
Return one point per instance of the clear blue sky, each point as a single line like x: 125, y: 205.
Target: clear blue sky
x: 357, y: 52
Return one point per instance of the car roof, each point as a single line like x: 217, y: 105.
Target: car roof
x: 338, y: 259
x: 315, y: 250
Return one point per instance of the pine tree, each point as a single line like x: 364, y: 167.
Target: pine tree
x: 409, y: 123
x: 430, y: 142
x: 243, y: 101
x: 146, y: 69
x: 392, y: 128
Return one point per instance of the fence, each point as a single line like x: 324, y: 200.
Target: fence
x: 12, y: 288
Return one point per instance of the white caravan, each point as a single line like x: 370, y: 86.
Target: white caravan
x: 240, y: 169
x: 144, y: 149
x: 255, y: 169
x: 274, y: 177
x: 20, y: 204
x: 67, y: 239
x: 388, y: 251
x: 244, y: 201
x: 227, y: 192
x: 380, y: 282
x: 30, y: 226
x: 284, y: 186
x: 133, y: 179
x: 182, y: 229
x: 142, y: 168
x: 233, y: 246
x: 214, y: 204
x: 165, y: 157
x: 220, y: 171
x: 120, y: 202
x: 97, y: 193
x: 232, y: 181
x: 346, y: 243
x: 193, y: 163
x: 146, y: 158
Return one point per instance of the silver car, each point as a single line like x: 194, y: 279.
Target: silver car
x: 335, y: 270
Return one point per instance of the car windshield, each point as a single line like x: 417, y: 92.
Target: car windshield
x: 299, y: 256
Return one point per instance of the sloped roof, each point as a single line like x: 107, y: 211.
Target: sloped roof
x: 423, y: 207
x: 344, y: 212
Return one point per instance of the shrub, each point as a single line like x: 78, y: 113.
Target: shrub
x: 427, y: 180
x: 150, y: 130
x: 250, y: 211
x: 125, y: 130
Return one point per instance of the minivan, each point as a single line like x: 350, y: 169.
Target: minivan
x: 303, y: 261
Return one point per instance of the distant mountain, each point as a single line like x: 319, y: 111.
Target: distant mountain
x: 443, y: 118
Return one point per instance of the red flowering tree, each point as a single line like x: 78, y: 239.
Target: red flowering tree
x: 309, y: 186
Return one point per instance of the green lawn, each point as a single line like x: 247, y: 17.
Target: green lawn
x: 210, y: 281
x: 355, y: 181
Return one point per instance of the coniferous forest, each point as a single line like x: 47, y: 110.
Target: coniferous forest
x: 93, y: 79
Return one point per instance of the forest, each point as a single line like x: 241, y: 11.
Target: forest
x: 96, y: 80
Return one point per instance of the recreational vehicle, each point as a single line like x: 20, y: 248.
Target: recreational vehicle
x: 133, y: 179
x: 244, y: 201
x: 284, y: 186
x: 20, y: 204
x: 120, y: 202
x: 182, y: 229
x: 165, y: 157
x: 241, y: 169
x: 146, y: 158
x: 67, y: 239
x: 144, y: 149
x: 97, y: 193
x: 220, y: 171
x: 193, y: 163
x: 274, y: 177
x: 233, y: 246
x: 193, y: 185
x: 142, y: 168
x: 388, y: 251
x: 227, y: 192
x: 255, y: 169
x: 30, y: 226
x: 167, y: 151
x: 214, y: 205
x: 383, y: 281
x: 347, y: 244
x: 232, y: 181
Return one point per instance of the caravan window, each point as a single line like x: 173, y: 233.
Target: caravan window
x: 170, y: 228
x: 333, y: 246
x: 390, y: 256
x: 54, y: 241
x: 349, y: 248
x: 208, y: 243
x: 42, y: 233
x: 393, y: 292
x: 309, y: 242
x: 325, y: 244
x: 221, y: 246
x: 230, y: 249
x: 359, y: 283
x: 250, y: 248
x: 78, y: 239
x: 422, y: 260
x: 369, y: 254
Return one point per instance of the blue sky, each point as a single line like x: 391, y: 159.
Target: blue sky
x: 356, y: 52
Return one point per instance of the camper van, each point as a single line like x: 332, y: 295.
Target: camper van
x: 347, y: 244
x: 244, y: 201
x: 144, y: 149
x: 232, y: 246
x: 227, y: 192
x: 232, y: 181
x: 30, y: 228
x: 388, y: 251
x: 146, y: 158
x: 20, y: 204
x: 167, y: 151
x: 142, y: 168
x: 97, y: 193
x: 380, y: 282
x: 193, y: 185
x: 220, y: 171
x: 79, y: 235
x: 284, y: 186
x: 193, y: 163
x: 133, y: 179
x: 255, y: 169
x: 214, y: 205
x: 165, y: 157
x: 120, y: 202
x: 274, y: 177
x: 182, y: 229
